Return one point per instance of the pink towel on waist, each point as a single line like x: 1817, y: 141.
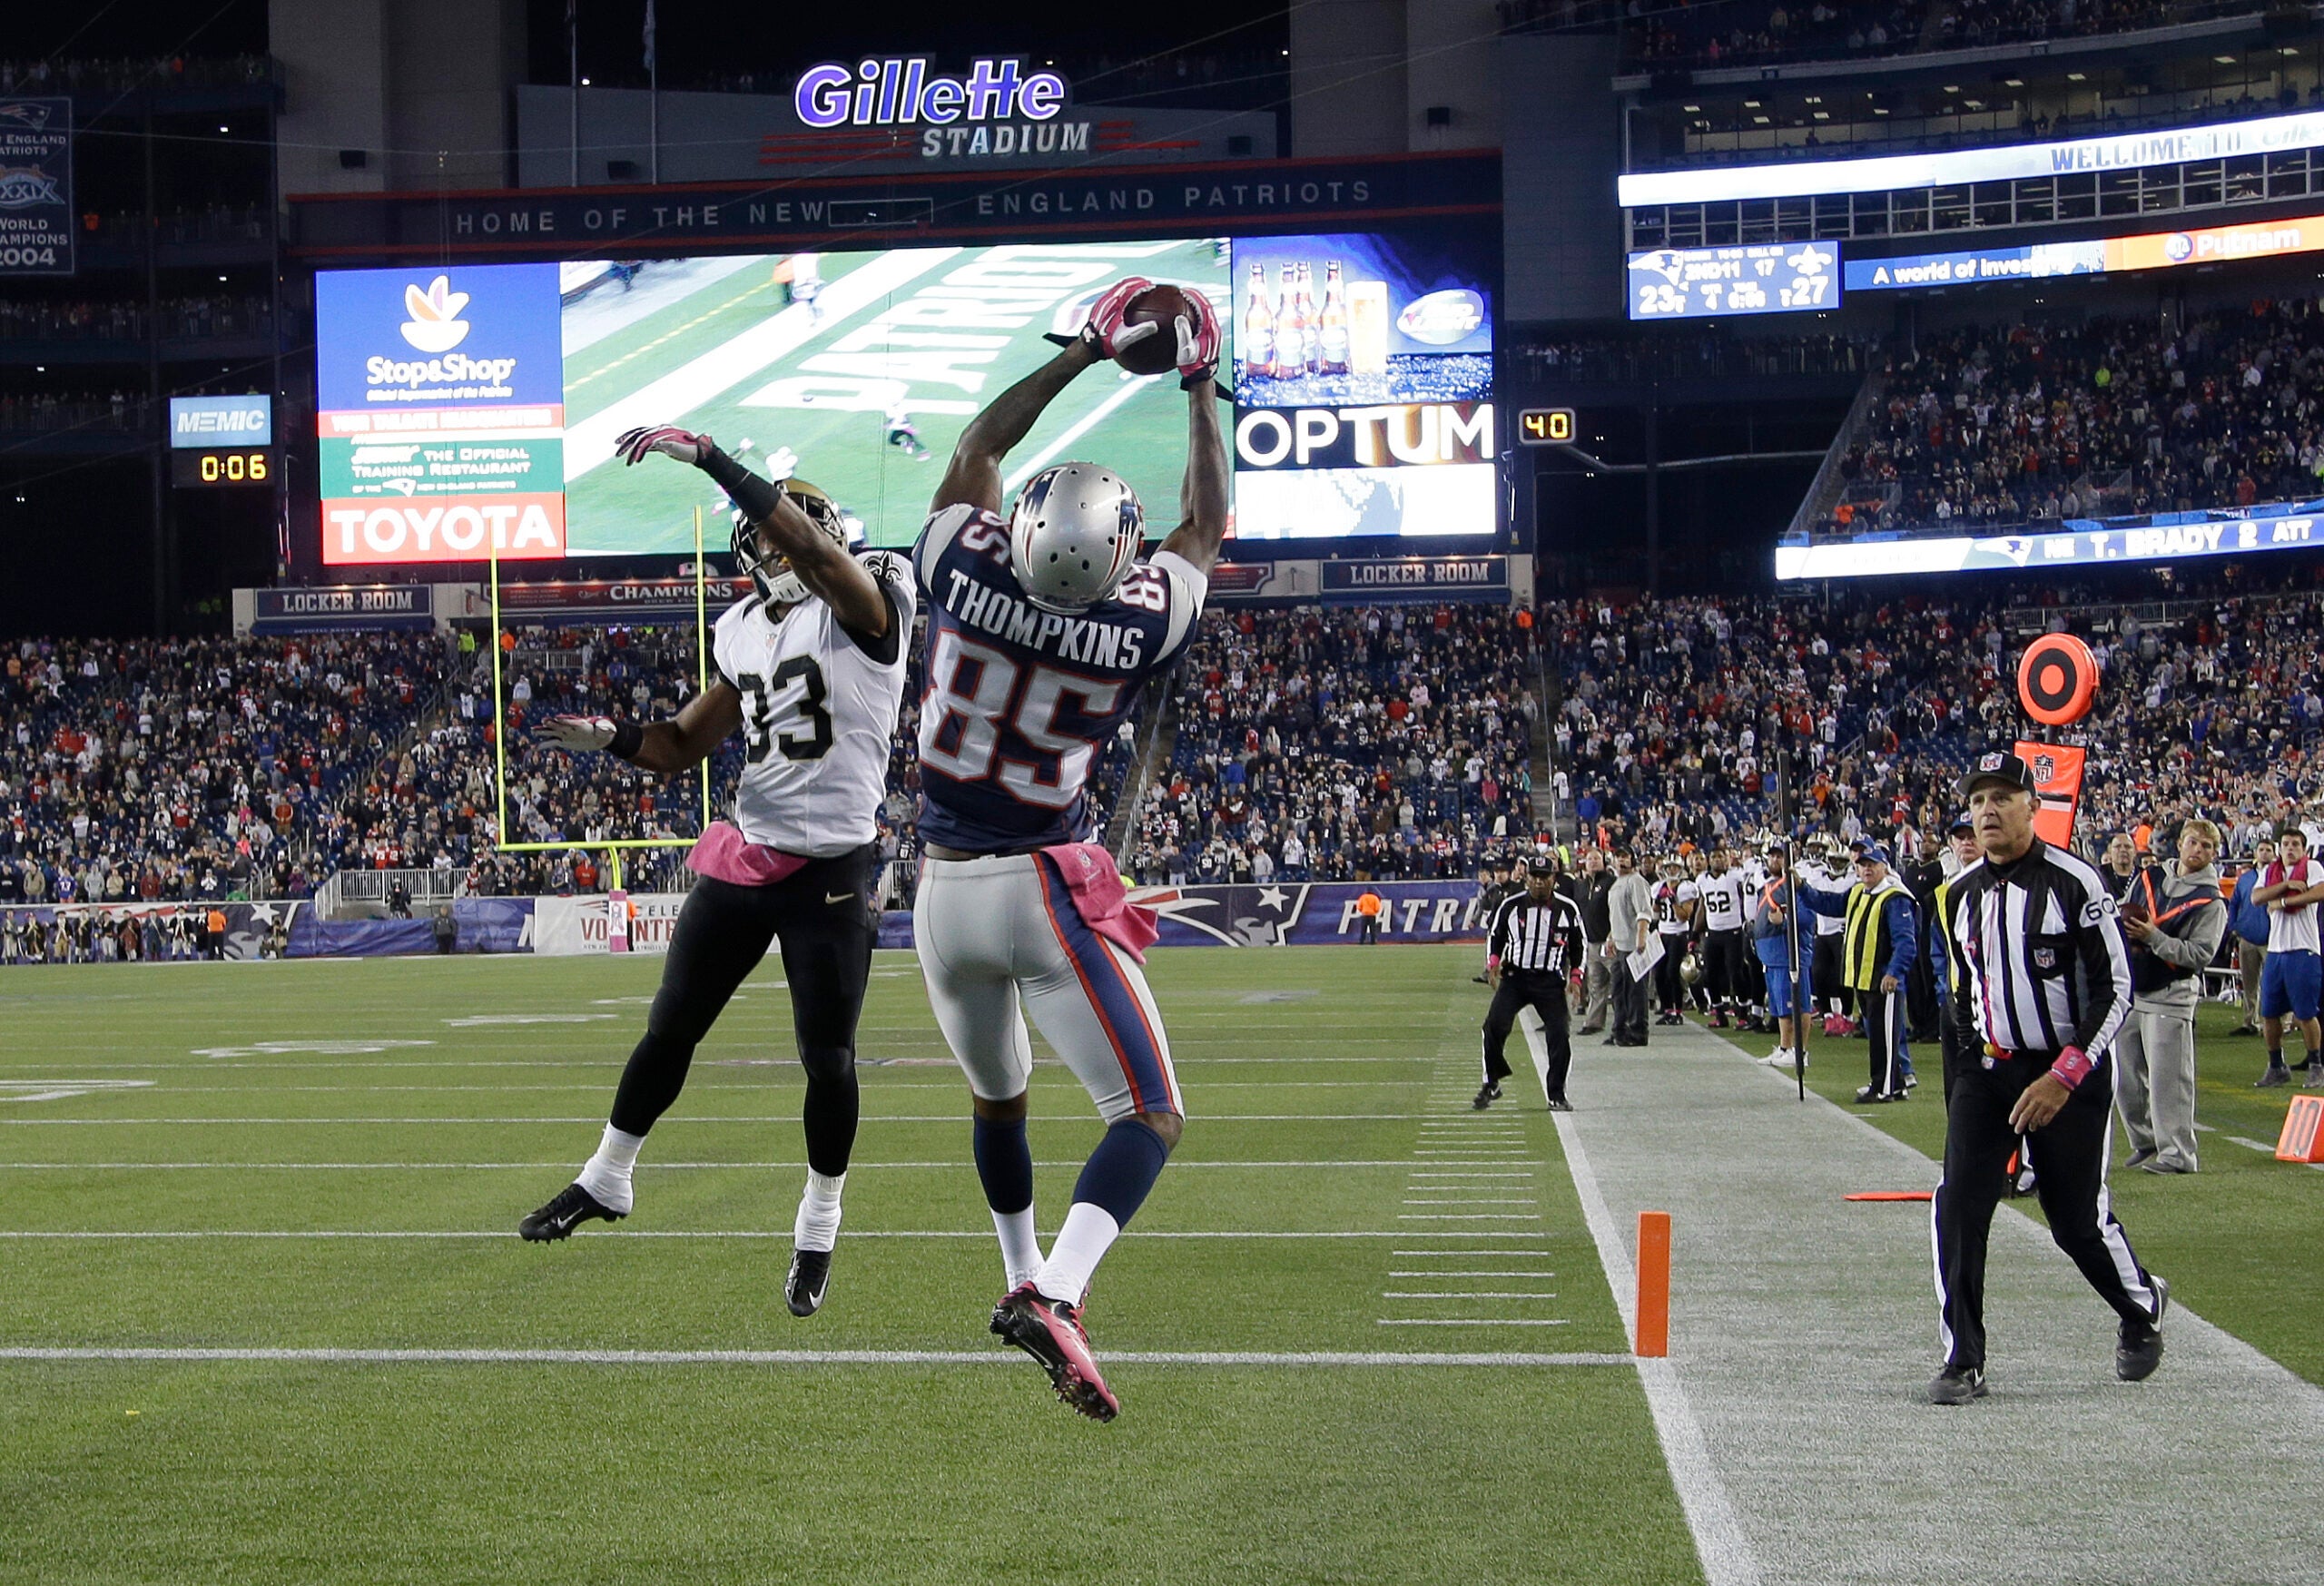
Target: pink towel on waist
x: 724, y: 853
x: 1095, y: 888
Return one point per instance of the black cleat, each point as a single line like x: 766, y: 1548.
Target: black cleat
x: 1957, y: 1385
x: 1050, y: 1330
x: 1560, y: 1104
x: 810, y: 1276
x: 572, y: 1207
x: 2138, y: 1348
x: 1869, y: 1095
x: 1487, y: 1094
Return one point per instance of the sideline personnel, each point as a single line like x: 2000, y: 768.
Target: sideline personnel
x: 2048, y: 986
x: 1534, y: 945
x: 2174, y: 920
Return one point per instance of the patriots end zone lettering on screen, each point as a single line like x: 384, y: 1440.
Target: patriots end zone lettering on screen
x: 901, y: 91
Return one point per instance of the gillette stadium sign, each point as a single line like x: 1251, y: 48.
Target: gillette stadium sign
x: 996, y: 108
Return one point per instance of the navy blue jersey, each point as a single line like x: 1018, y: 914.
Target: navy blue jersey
x: 1020, y: 701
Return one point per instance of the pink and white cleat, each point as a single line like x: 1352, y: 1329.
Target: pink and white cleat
x: 1050, y: 1330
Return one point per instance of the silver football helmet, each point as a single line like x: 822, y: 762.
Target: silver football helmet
x: 1073, y: 534
x: 777, y: 584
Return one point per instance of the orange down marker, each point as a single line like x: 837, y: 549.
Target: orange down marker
x: 1654, y: 1283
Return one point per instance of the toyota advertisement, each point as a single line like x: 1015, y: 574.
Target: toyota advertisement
x: 440, y: 408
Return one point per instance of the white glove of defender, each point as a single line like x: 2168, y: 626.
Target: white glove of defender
x: 577, y: 735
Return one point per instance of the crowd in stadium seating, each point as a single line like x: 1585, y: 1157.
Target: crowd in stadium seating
x: 214, y: 314
x: 197, y: 768
x: 1325, y: 745
x: 2030, y: 423
x: 1763, y: 31
x: 38, y: 411
x: 45, y: 76
x: 1672, y: 713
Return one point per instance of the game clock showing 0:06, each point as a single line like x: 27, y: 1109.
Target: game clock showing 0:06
x: 243, y: 464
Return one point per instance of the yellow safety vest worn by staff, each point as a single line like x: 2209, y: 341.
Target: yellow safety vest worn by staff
x: 1862, y: 951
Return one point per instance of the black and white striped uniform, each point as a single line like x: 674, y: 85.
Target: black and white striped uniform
x: 1534, y: 945
x: 2045, y: 971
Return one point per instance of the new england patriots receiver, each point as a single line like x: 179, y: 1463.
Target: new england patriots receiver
x: 810, y: 668
x: 1044, y: 626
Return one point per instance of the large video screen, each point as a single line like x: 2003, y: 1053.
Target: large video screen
x: 468, y: 409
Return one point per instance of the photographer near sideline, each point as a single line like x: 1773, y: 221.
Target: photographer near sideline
x: 2174, y: 918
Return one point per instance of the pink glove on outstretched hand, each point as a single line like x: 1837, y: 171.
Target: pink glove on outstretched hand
x: 1104, y: 329
x: 633, y: 446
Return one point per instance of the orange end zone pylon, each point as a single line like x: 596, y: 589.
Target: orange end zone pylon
x: 2303, y: 1137
x: 1653, y: 1283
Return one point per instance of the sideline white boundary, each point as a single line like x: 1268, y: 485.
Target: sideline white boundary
x: 1720, y: 1540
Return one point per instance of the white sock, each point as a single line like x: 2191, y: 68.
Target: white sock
x: 817, y: 1226
x: 1020, y: 1246
x: 1081, y: 1243
x: 606, y: 1173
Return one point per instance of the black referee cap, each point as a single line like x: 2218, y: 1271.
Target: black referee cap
x: 1541, y: 865
x: 1998, y: 766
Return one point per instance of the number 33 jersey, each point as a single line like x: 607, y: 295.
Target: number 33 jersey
x: 819, y: 710
x: 1020, y: 702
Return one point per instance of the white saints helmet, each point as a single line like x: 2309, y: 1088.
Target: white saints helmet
x: 777, y: 583
x: 1072, y: 536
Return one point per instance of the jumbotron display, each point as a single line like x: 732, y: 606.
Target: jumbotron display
x: 470, y: 410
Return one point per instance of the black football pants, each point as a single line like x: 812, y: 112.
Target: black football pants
x: 822, y: 915
x: 1544, y: 993
x: 2072, y: 1149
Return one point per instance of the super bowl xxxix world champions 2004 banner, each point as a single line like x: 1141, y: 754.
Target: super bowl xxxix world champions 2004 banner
x: 440, y: 411
x: 35, y: 187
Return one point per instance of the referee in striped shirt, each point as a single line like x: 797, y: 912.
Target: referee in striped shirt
x: 2045, y: 988
x: 1534, y: 943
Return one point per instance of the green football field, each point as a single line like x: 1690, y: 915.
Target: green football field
x: 263, y: 1315
x: 934, y: 333
x: 2237, y: 1239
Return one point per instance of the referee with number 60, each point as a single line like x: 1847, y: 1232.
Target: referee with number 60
x: 2045, y: 989
x: 1532, y: 946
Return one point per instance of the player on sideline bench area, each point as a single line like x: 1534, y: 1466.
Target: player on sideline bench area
x: 1043, y: 628
x: 810, y: 667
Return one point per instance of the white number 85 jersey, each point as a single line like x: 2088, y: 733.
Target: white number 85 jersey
x: 819, y: 710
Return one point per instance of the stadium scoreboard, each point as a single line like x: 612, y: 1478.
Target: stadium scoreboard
x: 221, y: 442
x: 1757, y: 278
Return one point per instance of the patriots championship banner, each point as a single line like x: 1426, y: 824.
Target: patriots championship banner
x: 35, y: 187
x: 2058, y: 768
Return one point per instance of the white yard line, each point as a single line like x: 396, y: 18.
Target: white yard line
x: 1720, y: 1541
x: 568, y: 1165
x: 795, y: 1357
x: 784, y: 1234
x: 595, y: 1119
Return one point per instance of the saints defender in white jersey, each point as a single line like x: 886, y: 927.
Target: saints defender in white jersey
x: 810, y: 668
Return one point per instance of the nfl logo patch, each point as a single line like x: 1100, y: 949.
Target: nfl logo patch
x: 1990, y: 763
x: 2045, y: 767
x: 2045, y: 957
